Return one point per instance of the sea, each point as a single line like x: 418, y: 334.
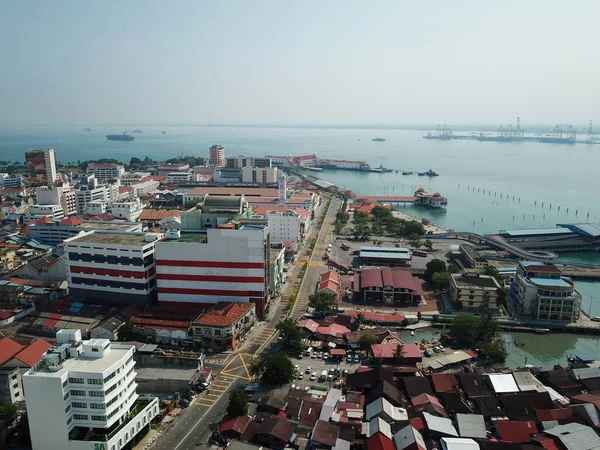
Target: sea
x: 490, y: 186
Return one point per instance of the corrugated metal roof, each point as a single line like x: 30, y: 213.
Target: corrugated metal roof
x: 471, y: 425
x: 575, y: 436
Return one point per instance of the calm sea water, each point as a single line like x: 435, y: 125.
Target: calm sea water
x: 564, y: 176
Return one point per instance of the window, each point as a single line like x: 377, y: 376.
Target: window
x: 79, y: 393
x: 99, y: 418
x: 217, y: 332
x: 96, y: 394
x: 94, y: 381
x: 77, y: 380
x: 80, y: 416
x: 79, y: 405
x: 65, y: 383
x: 112, y: 401
x: 94, y: 349
x: 110, y: 377
x: 97, y: 405
x: 110, y: 389
x: 68, y: 408
x: 69, y: 420
x: 16, y: 386
x: 66, y: 396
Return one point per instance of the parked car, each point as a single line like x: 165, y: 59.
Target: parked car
x: 329, y: 377
x: 331, y: 371
x: 296, y: 368
x: 300, y: 376
x: 308, y: 369
x: 313, y: 355
x: 325, y: 355
x: 427, y: 353
x: 313, y: 376
x: 184, y: 402
x: 356, y: 359
x: 300, y: 355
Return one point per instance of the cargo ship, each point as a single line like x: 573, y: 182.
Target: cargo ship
x: 87, y: 129
x: 378, y: 140
x: 137, y: 131
x: 119, y: 137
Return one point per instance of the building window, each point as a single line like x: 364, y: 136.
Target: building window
x: 68, y: 408
x: 96, y: 394
x: 69, y: 420
x: 97, y: 405
x: 94, y: 381
x: 80, y: 417
x: 79, y: 405
x: 66, y: 396
x: 77, y: 380
x: 79, y: 393
x: 95, y: 350
x: 99, y: 418
x: 65, y: 383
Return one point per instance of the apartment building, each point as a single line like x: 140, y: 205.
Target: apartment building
x: 474, y: 291
x: 59, y: 194
x: 260, y: 174
x: 82, y: 395
x: 41, y: 164
x: 217, y: 156
x: 285, y: 224
x: 108, y: 171
x: 237, y: 162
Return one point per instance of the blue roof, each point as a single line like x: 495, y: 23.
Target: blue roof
x: 538, y: 231
x: 554, y: 282
x: 588, y: 229
x: 585, y: 358
x: 387, y: 255
x: 385, y: 249
x: 13, y: 216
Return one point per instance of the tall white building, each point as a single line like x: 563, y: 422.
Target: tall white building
x: 60, y: 194
x: 92, y: 192
x: 36, y: 212
x: 108, y: 171
x: 285, y: 224
x: 81, y: 395
x: 41, y: 163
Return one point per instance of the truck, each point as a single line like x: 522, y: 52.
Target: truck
x: 345, y: 246
x: 323, y: 376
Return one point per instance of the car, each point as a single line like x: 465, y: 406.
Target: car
x: 313, y: 355
x: 329, y: 377
x: 436, y: 349
x: 319, y: 355
x: 308, y: 369
x: 331, y: 371
x: 313, y: 376
x: 296, y: 368
x: 595, y: 319
x: 345, y: 372
x: 441, y: 347
x: 325, y: 355
x: 184, y: 402
x: 300, y: 376
x: 300, y: 355
x: 356, y: 359
x: 427, y: 353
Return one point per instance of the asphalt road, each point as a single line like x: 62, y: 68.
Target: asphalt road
x: 192, y: 428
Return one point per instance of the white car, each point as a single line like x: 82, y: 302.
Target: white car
x: 313, y: 376
x: 300, y: 376
x: 296, y: 367
x: 308, y: 369
x: 313, y: 355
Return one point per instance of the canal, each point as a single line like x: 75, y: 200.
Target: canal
x: 528, y: 348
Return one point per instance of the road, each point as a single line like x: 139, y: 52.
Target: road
x: 192, y: 427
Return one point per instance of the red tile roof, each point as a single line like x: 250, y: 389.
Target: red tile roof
x: 326, y: 433
x: 8, y: 349
x: 236, y: 424
x: 334, y: 330
x: 309, y: 324
x: 380, y: 442
x: 71, y: 221
x: 224, y: 313
x: 159, y: 324
x: 32, y: 354
x: 542, y: 268
x: 263, y: 210
x: 444, y: 382
x: 553, y: 414
x: 516, y: 430
x: 388, y: 350
x: 425, y: 399
x: 418, y: 423
x: 6, y: 314
x: 385, y: 276
x: 44, y: 220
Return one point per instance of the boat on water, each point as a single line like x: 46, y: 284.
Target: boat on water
x: 120, y: 137
x: 137, y: 131
x: 378, y: 140
x: 87, y: 129
x: 429, y: 173
x: 164, y: 132
x: 407, y: 173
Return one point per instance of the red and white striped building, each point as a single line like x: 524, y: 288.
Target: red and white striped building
x: 228, y: 263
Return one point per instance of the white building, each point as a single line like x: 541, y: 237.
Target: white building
x: 127, y: 179
x: 56, y: 232
x: 228, y: 263
x: 11, y: 181
x: 36, y: 212
x: 145, y: 187
x: 285, y: 224
x: 217, y: 156
x: 178, y: 177
x: 108, y: 171
x: 95, y: 208
x: 260, y: 174
x: 165, y: 169
x: 88, y: 193
x: 113, y: 266
x: 63, y: 195
x: 130, y: 211
x: 80, y: 396
x: 237, y: 162
x: 11, y: 388
x: 541, y: 291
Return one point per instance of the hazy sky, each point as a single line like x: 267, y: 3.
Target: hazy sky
x: 298, y: 62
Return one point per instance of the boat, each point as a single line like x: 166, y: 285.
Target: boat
x: 120, y: 137
x: 87, y: 129
x: 429, y: 173
x: 137, y: 131
x: 407, y: 173
x: 164, y: 132
x: 378, y: 140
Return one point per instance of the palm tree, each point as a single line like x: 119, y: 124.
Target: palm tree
x: 398, y: 353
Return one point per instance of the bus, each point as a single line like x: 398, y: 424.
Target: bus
x: 338, y: 265
x: 419, y: 253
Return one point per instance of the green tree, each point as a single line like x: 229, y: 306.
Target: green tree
x: 415, y: 240
x: 502, y: 297
x: 360, y: 217
x: 8, y: 411
x: 488, y: 327
x: 377, y: 227
x: 323, y: 302
x: 434, y: 266
x: 382, y: 213
x: 238, y: 403
x: 493, y: 351
x: 399, y: 353
x: 412, y: 226
x: 441, y: 279
x: 193, y: 203
x: 275, y: 369
x: 125, y: 332
x: 452, y: 269
x: 291, y: 337
x: 465, y: 328
x: 428, y: 244
x: 492, y: 271
x: 366, y: 340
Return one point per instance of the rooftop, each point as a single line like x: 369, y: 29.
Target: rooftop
x: 553, y: 282
x: 481, y: 281
x: 241, y: 190
x: 108, y: 238
x: 537, y: 231
x: 224, y: 313
x: 588, y: 229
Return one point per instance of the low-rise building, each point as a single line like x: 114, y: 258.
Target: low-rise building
x: 106, y: 171
x: 11, y: 387
x: 55, y: 232
x: 178, y: 177
x: 107, y: 329
x: 36, y: 212
x: 237, y: 162
x: 386, y: 285
x: 541, y: 291
x: 129, y: 211
x: 59, y: 194
x: 166, y: 168
x: 278, y: 276
x: 225, y: 326
x: 473, y: 258
x: 260, y: 174
x: 112, y: 266
x: 83, y: 395
x: 474, y: 291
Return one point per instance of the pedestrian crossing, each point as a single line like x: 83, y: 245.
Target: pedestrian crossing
x: 317, y: 263
x: 217, y: 387
x: 263, y: 337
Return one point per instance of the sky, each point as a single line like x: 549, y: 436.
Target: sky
x: 309, y: 62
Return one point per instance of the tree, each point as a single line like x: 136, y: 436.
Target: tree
x: 415, y: 240
x: 488, y: 327
x: 428, y: 244
x: 404, y: 322
x: 434, y: 266
x: 441, y: 279
x: 452, y: 269
x: 360, y: 217
x: 193, y: 203
x: 238, y: 403
x: 399, y: 353
x: 418, y: 316
x: 8, y: 411
x: 492, y: 271
x: 274, y: 369
x: 290, y: 333
x: 502, y: 294
x: 323, y: 302
x: 412, y: 226
x: 366, y: 340
x: 465, y: 328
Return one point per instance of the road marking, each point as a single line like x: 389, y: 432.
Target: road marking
x: 220, y: 390
x: 199, y: 404
x: 220, y: 385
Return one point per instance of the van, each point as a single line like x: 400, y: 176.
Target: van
x: 323, y: 376
x: 308, y: 351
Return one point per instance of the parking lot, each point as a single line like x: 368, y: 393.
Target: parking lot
x: 317, y: 365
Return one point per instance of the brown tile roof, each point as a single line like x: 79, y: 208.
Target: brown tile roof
x: 416, y: 386
x: 278, y: 428
x: 325, y: 433
x: 224, y: 313
x: 32, y: 354
x: 159, y: 324
x: 159, y: 214
x: 444, y: 382
x: 515, y: 430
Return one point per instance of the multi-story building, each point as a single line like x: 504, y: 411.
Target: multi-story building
x: 228, y: 263
x: 542, y: 292
x: 106, y: 171
x: 473, y: 259
x: 11, y: 181
x: 165, y: 169
x: 217, y: 156
x: 59, y: 194
x: 82, y: 395
x: 145, y: 187
x: 11, y: 388
x: 41, y: 163
x: 225, y: 326
x: 285, y: 224
x: 260, y: 174
x: 178, y: 177
x: 91, y: 191
x: 214, y: 211
x: 474, y: 291
x: 36, y: 212
x: 112, y: 266
x: 129, y: 211
x: 127, y: 179
x: 55, y: 233
x: 237, y: 162
x: 95, y: 208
